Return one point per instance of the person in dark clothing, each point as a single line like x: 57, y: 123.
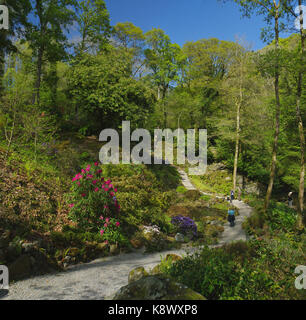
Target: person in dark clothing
x: 231, y: 216
x: 232, y: 196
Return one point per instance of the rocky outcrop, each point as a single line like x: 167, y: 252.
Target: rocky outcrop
x: 156, y: 287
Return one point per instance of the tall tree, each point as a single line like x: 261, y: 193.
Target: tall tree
x: 47, y: 37
x: 18, y: 12
x: 298, y: 15
x: 273, y: 12
x: 94, y: 25
x: 164, y: 60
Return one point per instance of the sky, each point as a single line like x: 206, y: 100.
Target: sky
x: 189, y: 20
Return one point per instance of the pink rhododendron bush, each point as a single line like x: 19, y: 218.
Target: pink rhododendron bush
x: 93, y: 197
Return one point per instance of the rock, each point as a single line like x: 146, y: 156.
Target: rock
x: 102, y: 246
x: 113, y: 249
x: 179, y: 237
x: 67, y: 259
x: 29, y: 246
x: 156, y: 270
x: 73, y: 252
x: 136, y: 243
x: 228, y: 179
x: 193, y: 194
x: 137, y: 274
x: 174, y: 257
x: 156, y: 287
x: 20, y: 268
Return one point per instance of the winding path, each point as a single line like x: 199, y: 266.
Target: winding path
x: 102, y: 277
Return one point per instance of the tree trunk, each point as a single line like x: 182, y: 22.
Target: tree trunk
x: 237, y: 146
x: 277, y: 113
x: 300, y: 122
x: 239, y: 103
x: 36, y: 95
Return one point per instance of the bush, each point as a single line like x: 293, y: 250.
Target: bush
x: 185, y: 225
x: 92, y: 196
x: 281, y: 217
x: 110, y: 230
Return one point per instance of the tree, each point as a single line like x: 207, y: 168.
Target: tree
x: 47, y: 38
x: 94, y: 25
x: 18, y: 12
x: 104, y: 92
x: 163, y: 59
x: 289, y: 7
x: 130, y: 37
x: 273, y: 12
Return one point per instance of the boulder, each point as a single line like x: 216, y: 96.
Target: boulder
x: 174, y: 257
x: 137, y: 274
x: 157, y: 287
x: 179, y: 237
x: 20, y: 268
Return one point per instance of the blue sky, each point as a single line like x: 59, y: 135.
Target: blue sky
x: 189, y: 20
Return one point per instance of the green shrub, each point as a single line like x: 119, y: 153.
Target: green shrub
x: 181, y: 189
x: 92, y: 196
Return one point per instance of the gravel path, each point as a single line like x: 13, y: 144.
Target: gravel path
x: 102, y: 277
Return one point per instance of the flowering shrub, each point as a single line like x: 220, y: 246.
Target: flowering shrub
x: 92, y: 196
x: 110, y: 230
x: 185, y: 225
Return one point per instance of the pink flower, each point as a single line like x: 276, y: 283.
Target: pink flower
x: 96, y: 189
x: 99, y: 171
x: 94, y: 182
x: 115, y: 190
x: 106, y: 241
x: 78, y: 183
x: 112, y: 194
x: 117, y: 224
x: 88, y: 168
x: 101, y: 218
x: 96, y: 164
x: 101, y: 232
x: 105, y: 225
x: 83, y: 171
x: 71, y: 205
x: 89, y: 176
x: 107, y: 220
x: 105, y: 189
x: 83, y: 195
x: 105, y: 206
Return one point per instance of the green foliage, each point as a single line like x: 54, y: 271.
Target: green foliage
x: 91, y: 197
x: 281, y: 217
x: 181, y: 189
x: 112, y: 95
x: 258, y: 270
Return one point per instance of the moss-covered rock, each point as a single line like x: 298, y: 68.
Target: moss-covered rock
x: 20, y: 268
x: 193, y: 194
x: 137, y: 274
x: 156, y: 287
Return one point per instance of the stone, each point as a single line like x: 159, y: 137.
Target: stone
x: 73, y: 252
x: 136, y: 243
x: 113, y: 249
x: 29, y: 246
x: 157, y: 287
x: 20, y: 268
x: 137, y: 274
x: 102, y: 246
x: 174, y: 257
x: 179, y: 237
x: 227, y: 178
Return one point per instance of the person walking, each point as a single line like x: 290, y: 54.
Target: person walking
x: 232, y: 196
x: 231, y: 216
x: 290, y: 199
